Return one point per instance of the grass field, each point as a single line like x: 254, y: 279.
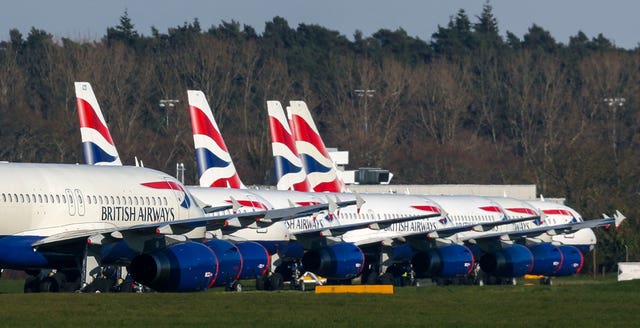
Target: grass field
x: 575, y: 302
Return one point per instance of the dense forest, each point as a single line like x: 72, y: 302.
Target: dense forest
x: 468, y: 106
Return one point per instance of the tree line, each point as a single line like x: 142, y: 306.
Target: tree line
x: 467, y: 106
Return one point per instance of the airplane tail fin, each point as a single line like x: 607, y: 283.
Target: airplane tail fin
x: 97, y: 144
x: 321, y: 170
x: 289, y: 171
x: 215, y: 165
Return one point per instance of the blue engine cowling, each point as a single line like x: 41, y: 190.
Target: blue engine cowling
x: 339, y: 261
x: 513, y: 261
x: 292, y: 251
x: 446, y: 261
x: 256, y: 260
x: 573, y: 261
x: 183, y: 267
x: 229, y: 259
x: 547, y: 259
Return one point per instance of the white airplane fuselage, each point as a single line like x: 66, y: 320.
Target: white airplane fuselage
x: 41, y: 200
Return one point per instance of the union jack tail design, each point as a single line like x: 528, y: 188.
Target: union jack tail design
x: 98, y: 147
x: 320, y: 168
x: 289, y: 170
x: 215, y: 166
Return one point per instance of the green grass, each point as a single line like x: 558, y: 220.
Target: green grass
x: 570, y: 302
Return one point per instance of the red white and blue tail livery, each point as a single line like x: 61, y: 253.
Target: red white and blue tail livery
x: 215, y: 166
x: 321, y: 171
x: 97, y: 143
x: 289, y: 171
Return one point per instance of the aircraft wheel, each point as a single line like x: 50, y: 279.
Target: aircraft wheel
x: 276, y: 281
x: 100, y: 285
x: 386, y: 279
x: 49, y: 285
x: 372, y: 279
x: 261, y: 283
x: 32, y: 285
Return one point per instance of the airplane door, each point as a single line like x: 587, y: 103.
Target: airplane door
x: 70, y: 202
x: 79, y: 202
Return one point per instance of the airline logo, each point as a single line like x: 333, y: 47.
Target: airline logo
x: 528, y: 211
x: 184, y: 202
x: 522, y: 210
x: 427, y: 208
x: 493, y: 209
x: 310, y: 203
x: 215, y: 166
x: 561, y: 212
x: 98, y: 145
x: 250, y: 203
x: 288, y: 165
x: 320, y: 169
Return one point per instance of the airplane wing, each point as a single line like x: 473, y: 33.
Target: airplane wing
x: 338, y: 230
x: 214, y: 209
x: 180, y: 227
x: 441, y: 235
x: 548, y: 229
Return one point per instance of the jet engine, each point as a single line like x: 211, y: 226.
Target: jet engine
x: 446, y: 261
x: 183, y: 267
x: 256, y: 260
x: 338, y: 261
x: 547, y: 259
x: 573, y: 261
x: 230, y: 262
x: 513, y: 261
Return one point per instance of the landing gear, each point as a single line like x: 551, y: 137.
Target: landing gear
x: 276, y: 281
x: 234, y: 286
x: 51, y: 281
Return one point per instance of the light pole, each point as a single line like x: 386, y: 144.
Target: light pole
x: 166, y: 104
x: 626, y: 253
x: 366, y: 93
x: 614, y: 103
x: 180, y: 172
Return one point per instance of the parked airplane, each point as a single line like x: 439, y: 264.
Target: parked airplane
x: 491, y: 248
x: 458, y: 259
x: 273, y: 236
x: 78, y: 218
